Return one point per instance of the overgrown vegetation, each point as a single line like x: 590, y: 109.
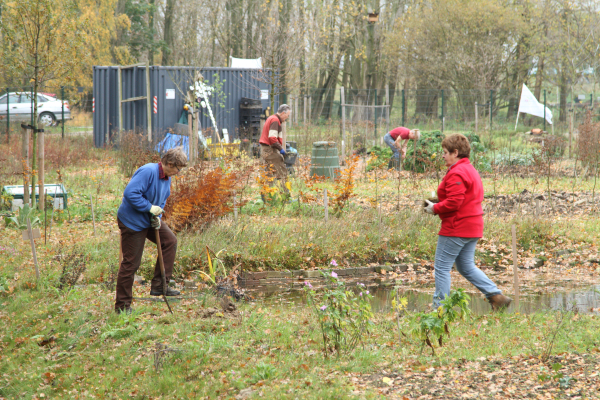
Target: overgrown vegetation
x: 270, y: 347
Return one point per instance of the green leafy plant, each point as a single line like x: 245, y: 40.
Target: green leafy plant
x: 427, y: 326
x: 20, y: 222
x: 344, y: 316
x: 4, y: 286
x: 563, y: 381
x: 5, y: 201
x: 380, y: 156
x: 125, y: 326
x: 426, y: 155
x: 263, y: 372
x: 213, y: 263
x: 399, y: 305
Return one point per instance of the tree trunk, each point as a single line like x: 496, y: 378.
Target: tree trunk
x: 167, y: 56
x: 249, y: 21
x: 284, y: 16
x: 563, y: 95
x: 151, y: 29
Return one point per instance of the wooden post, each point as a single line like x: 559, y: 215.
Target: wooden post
x: 304, y: 111
x: 284, y: 133
x: 342, y: 104
x: 325, y: 204
x: 515, y: 267
x: 190, y: 134
x: 31, y: 240
x: 414, y: 154
x: 148, y: 102
x: 51, y: 216
x: 387, y: 108
x: 475, y: 117
x: 45, y: 222
x: 120, y: 112
x: 25, y: 157
x: 41, y: 186
x: 291, y: 119
x: 93, y: 217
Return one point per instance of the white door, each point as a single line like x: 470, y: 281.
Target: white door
x: 23, y: 108
x: 12, y: 103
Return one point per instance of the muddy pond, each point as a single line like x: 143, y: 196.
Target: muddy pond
x: 586, y: 300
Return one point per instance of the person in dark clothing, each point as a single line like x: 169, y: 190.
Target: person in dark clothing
x: 144, y: 198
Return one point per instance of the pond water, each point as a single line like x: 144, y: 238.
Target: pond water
x: 581, y: 300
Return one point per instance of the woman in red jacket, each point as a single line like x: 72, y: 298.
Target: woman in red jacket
x: 460, y: 195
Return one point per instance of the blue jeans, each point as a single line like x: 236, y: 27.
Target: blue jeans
x: 461, y: 251
x: 390, y: 142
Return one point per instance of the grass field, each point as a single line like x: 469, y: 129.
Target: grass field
x: 64, y: 341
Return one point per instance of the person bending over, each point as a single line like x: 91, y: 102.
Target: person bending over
x: 144, y: 198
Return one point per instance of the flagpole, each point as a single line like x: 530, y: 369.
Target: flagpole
x: 517, y: 121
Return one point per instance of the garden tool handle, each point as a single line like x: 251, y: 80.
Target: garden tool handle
x: 162, y: 266
x: 160, y: 259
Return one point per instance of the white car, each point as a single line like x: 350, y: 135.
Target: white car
x: 19, y: 106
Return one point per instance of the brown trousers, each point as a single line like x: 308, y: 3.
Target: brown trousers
x: 132, y: 245
x: 273, y: 163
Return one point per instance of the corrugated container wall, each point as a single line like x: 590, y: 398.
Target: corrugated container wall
x: 166, y: 85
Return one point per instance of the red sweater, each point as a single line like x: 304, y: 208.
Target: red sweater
x: 400, y: 131
x: 460, y: 194
x: 272, y: 134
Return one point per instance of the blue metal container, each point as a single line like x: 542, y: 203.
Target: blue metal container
x: 166, y: 84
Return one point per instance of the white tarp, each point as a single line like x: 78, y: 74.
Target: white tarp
x: 529, y: 105
x: 246, y: 63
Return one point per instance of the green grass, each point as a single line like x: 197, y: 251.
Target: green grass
x: 273, y: 349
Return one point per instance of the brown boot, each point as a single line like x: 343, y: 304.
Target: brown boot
x: 499, y: 301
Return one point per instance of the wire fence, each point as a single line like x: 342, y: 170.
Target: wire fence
x: 438, y: 109
x: 365, y: 116
x: 65, y: 110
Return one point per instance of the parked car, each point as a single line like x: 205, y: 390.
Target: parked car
x: 19, y: 107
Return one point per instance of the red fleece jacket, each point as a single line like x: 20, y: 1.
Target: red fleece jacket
x: 272, y: 134
x: 460, y: 195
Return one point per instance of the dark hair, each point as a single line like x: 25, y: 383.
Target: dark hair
x: 458, y: 142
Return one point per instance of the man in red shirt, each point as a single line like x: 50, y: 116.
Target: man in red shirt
x: 398, y: 139
x: 271, y: 145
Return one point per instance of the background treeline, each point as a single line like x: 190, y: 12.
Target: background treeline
x: 404, y: 44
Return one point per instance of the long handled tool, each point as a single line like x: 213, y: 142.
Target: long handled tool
x: 162, y: 268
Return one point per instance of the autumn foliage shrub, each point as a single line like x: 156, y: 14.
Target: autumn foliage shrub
x: 201, y: 196
x: 344, y: 186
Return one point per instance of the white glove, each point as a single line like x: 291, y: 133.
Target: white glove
x: 155, y: 222
x: 429, y: 208
x: 156, y: 210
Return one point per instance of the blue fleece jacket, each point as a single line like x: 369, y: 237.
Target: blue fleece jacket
x: 144, y: 190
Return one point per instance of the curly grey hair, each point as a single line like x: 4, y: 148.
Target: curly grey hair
x: 175, y: 156
x: 283, y: 108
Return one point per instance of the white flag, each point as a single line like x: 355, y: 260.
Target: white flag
x: 529, y: 105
